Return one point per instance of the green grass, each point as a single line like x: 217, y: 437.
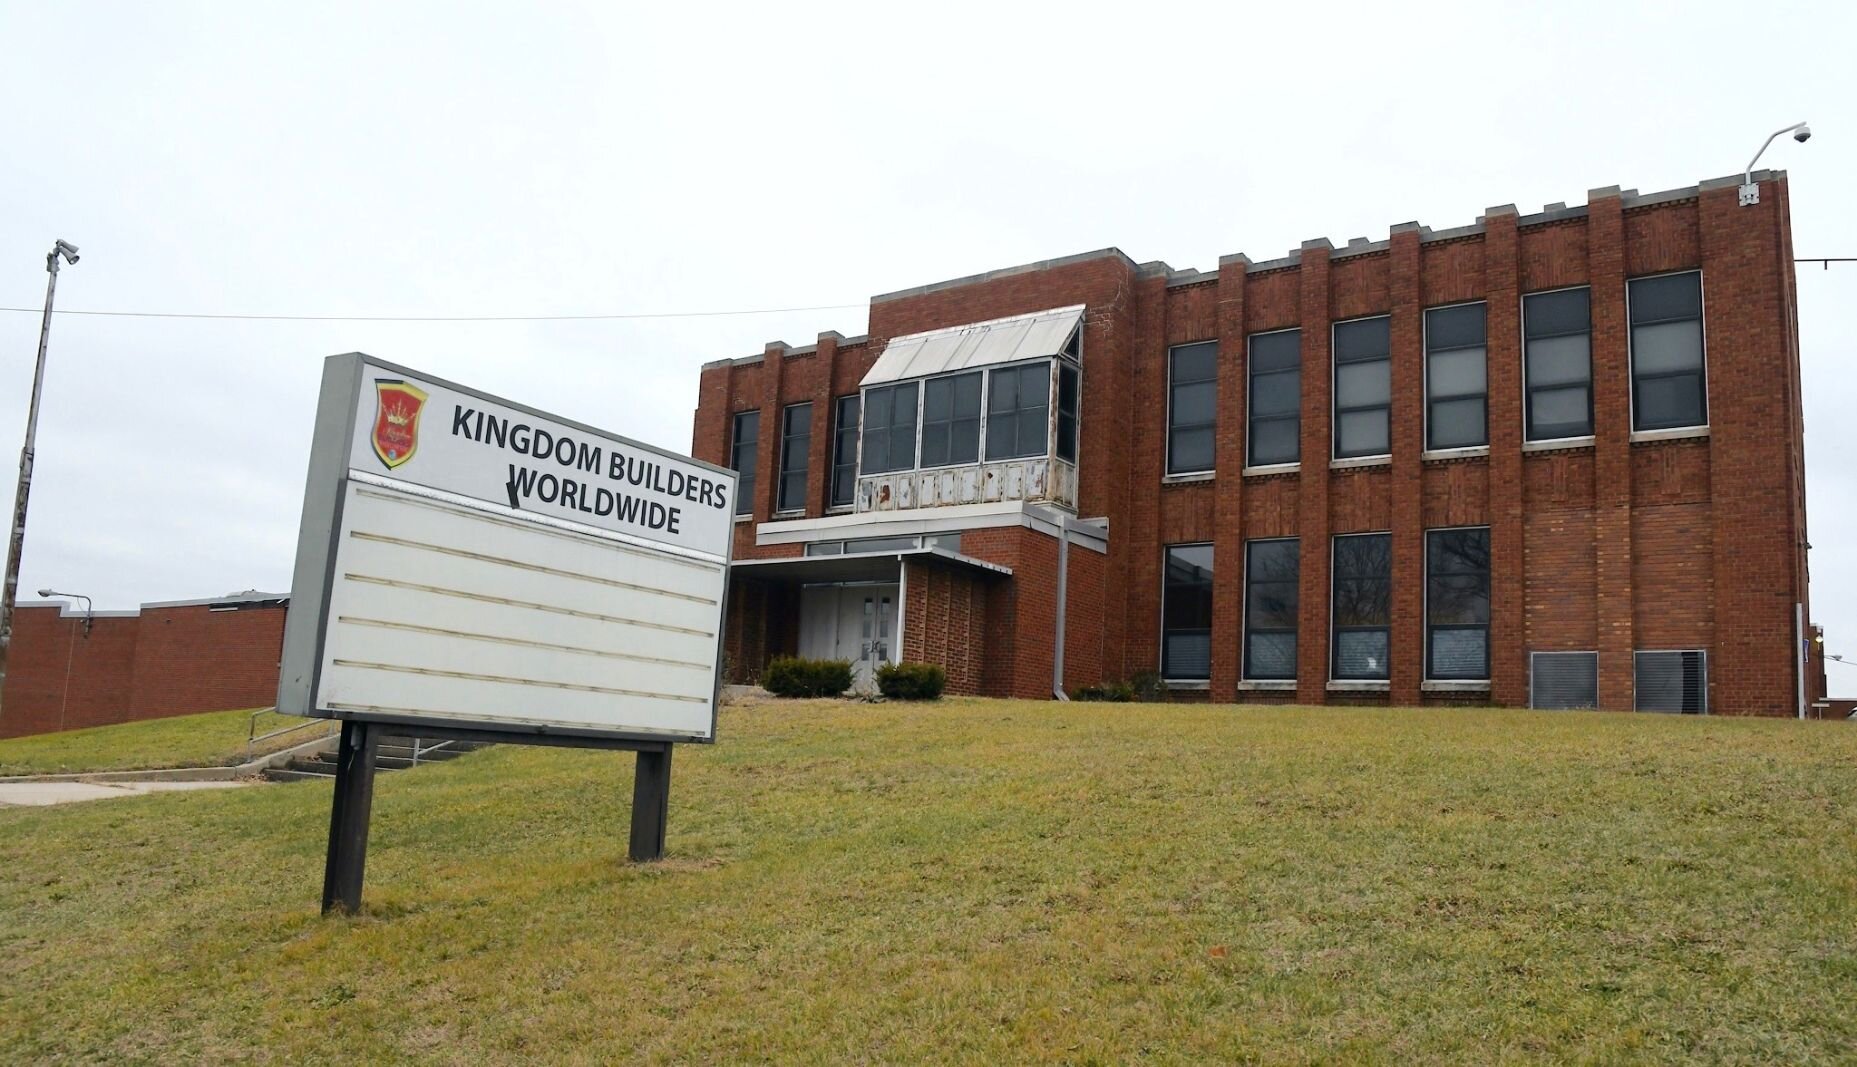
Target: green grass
x: 984, y: 881
x: 212, y: 739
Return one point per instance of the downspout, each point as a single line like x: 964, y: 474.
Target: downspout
x: 1063, y: 578
x: 1799, y: 657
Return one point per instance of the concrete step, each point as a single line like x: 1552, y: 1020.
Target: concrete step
x: 285, y: 774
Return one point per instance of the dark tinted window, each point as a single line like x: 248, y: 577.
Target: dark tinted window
x: 1363, y: 387
x: 1271, y: 595
x: 1558, y: 363
x: 1457, y: 603
x: 1068, y: 383
x: 1019, y: 411
x: 742, y: 458
x: 845, y: 452
x: 951, y: 420
x: 1275, y: 410
x: 795, y: 447
x: 889, y: 428
x: 1669, y: 387
x: 1456, y: 376
x: 1186, y: 613
x: 1362, y: 605
x: 1192, y: 406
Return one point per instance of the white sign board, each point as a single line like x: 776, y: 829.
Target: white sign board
x: 467, y: 561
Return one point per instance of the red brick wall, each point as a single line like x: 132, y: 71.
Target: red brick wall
x: 1614, y: 545
x: 166, y: 661
x: 944, y: 622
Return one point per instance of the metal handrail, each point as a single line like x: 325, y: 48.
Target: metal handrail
x: 252, y: 736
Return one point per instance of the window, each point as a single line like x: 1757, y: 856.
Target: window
x: 1668, y: 385
x: 1067, y: 400
x: 795, y: 448
x: 1362, y: 605
x: 1186, y: 614
x: 1557, y: 330
x: 1456, y: 379
x: 1457, y: 603
x: 1563, y: 680
x: 741, y: 458
x: 951, y: 420
x: 845, y: 453
x: 1192, y: 406
x: 1275, y: 406
x: 1018, y: 411
x: 889, y: 428
x: 1363, y: 387
x: 1272, y: 570
x: 1672, y: 681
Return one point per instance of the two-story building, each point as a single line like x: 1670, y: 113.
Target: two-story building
x: 1551, y: 459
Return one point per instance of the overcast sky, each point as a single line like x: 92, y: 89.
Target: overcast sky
x: 434, y: 159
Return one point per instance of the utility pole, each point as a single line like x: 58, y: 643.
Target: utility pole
x: 68, y: 252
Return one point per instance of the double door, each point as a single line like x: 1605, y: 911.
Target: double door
x: 855, y: 622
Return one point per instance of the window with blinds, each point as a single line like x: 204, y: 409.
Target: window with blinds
x: 1676, y: 681
x: 1561, y: 680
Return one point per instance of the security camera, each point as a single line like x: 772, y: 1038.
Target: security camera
x: 1802, y: 134
x: 67, y: 250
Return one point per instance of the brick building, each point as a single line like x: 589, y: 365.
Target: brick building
x: 67, y: 670
x: 1550, y: 459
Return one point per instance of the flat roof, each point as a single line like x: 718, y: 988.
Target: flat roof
x: 857, y: 566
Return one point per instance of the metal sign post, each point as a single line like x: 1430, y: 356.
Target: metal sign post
x: 472, y: 569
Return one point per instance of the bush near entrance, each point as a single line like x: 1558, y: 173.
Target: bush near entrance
x: 911, y: 681
x: 791, y: 676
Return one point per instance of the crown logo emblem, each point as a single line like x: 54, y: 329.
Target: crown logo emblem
x: 396, y: 421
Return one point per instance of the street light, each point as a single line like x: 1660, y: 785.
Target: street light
x: 73, y: 596
x: 1750, y: 190
x: 66, y: 251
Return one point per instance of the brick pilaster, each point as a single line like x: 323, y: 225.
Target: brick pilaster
x: 824, y: 415
x: 1605, y: 236
x: 1407, y: 645
x: 1507, y: 640
x: 767, y: 451
x: 1317, y: 449
x: 1228, y: 509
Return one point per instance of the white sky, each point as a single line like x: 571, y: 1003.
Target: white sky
x: 429, y: 159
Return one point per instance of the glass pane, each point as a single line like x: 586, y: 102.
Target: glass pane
x: 1276, y: 351
x: 1195, y: 363
x: 1564, y: 680
x: 963, y: 441
x: 799, y: 419
x: 1360, y: 384
x: 1363, y: 433
x: 1270, y: 655
x: 934, y: 443
x: 1364, y: 556
x: 1190, y: 563
x: 1568, y: 311
x: 1362, y: 602
x: 844, y: 485
x: 1194, y: 404
x: 1462, y: 551
x: 1002, y: 434
x: 937, y: 399
x: 793, y: 490
x: 1459, y: 653
x: 1458, y: 372
x: 1188, y: 655
x: 1673, y: 296
x: 1668, y: 402
x: 744, y: 494
x: 1560, y: 360
x: 1034, y: 431
x: 1457, y: 423
x: 1279, y: 393
x: 1667, y: 346
x: 967, y: 395
x: 1362, y: 339
x: 1561, y: 412
x: 1003, y: 391
x: 1671, y: 681
x: 1457, y: 599
x: 1361, y: 654
x: 1271, y: 605
x: 1190, y: 450
x: 1455, y: 327
x: 1275, y: 561
x: 1275, y: 441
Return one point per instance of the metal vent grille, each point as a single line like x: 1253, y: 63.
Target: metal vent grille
x: 1673, y: 681
x: 1563, y: 680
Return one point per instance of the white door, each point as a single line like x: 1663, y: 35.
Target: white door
x: 867, y: 631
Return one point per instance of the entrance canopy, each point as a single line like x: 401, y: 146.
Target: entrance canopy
x: 855, y: 566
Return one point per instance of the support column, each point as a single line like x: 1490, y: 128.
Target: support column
x: 1228, y: 489
x: 1318, y: 449
x: 1508, y: 643
x: 1406, y: 667
x: 651, y: 801
x: 824, y: 422
x: 349, y: 812
x: 1605, y: 244
x: 767, y: 450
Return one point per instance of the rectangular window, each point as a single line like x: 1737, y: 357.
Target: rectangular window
x: 1456, y: 376
x: 951, y: 420
x: 1019, y: 411
x: 1276, y: 398
x: 1363, y: 387
x: 1557, y: 331
x: 1192, y: 406
x: 1067, y: 404
x: 1362, y: 605
x: 1272, y: 570
x: 1457, y: 603
x: 742, y: 458
x: 1672, y: 681
x: 1669, y: 388
x: 795, y: 448
x: 1560, y: 680
x: 845, y: 453
x: 889, y: 429
x: 1186, y: 614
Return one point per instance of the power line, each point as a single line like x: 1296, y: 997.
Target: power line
x: 1827, y: 261
x: 443, y: 318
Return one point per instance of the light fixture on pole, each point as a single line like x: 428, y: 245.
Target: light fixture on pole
x: 66, y: 251
x: 1750, y: 189
x: 73, y: 596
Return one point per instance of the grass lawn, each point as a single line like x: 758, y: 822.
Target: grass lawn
x: 212, y: 739
x: 984, y: 881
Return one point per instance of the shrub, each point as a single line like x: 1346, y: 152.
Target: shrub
x: 791, y: 676
x: 911, y: 681
x: 1148, y: 687
x: 1114, y: 692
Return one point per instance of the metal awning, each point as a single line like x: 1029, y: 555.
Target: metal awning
x: 854, y: 567
x: 978, y: 344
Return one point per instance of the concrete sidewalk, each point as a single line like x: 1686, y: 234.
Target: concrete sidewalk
x: 44, y: 794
